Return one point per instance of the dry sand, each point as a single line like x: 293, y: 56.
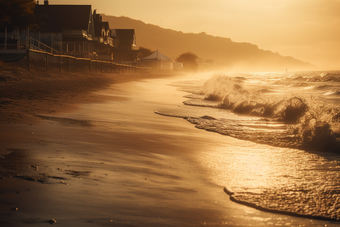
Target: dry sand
x: 137, y: 171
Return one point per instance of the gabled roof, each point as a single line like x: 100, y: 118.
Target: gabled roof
x: 62, y: 17
x: 99, y: 25
x: 157, y: 56
x: 106, y: 25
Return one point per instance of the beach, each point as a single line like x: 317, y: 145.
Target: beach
x: 88, y: 150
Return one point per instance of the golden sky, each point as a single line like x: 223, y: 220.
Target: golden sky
x: 308, y: 30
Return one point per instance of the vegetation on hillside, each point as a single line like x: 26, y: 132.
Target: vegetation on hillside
x: 143, y: 52
x: 189, y: 61
x: 222, y: 51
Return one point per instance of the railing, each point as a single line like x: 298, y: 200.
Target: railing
x: 98, y: 39
x: 35, y: 44
x: 77, y: 33
x: 11, y: 46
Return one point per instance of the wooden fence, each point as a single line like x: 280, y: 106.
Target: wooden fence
x: 43, y: 61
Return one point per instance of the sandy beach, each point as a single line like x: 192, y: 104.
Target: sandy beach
x: 88, y: 150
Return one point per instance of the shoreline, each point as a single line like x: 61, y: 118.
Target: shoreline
x: 25, y: 94
x: 60, y: 164
x: 42, y: 92
x: 232, y: 198
x: 32, y: 123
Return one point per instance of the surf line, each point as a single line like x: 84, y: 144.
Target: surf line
x: 169, y: 115
x: 232, y: 198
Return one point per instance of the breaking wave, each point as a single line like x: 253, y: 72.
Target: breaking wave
x: 310, y: 123
x: 286, y: 110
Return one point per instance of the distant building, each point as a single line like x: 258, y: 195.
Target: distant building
x: 102, y: 35
x: 67, y: 28
x: 160, y: 62
x: 125, y: 42
x: 73, y: 30
x: 126, y: 39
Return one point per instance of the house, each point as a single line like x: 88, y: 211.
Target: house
x: 159, y: 61
x: 105, y: 45
x: 74, y: 30
x: 66, y: 28
x: 101, y: 29
x: 78, y: 31
x: 125, y: 42
x: 126, y: 39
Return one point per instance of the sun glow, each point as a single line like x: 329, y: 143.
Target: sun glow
x: 303, y: 29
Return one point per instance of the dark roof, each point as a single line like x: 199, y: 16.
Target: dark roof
x: 97, y: 28
x: 61, y: 17
x: 126, y: 38
x: 125, y: 33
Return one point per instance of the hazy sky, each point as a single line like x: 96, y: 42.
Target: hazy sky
x: 305, y: 29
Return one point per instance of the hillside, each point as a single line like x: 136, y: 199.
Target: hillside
x: 223, y: 51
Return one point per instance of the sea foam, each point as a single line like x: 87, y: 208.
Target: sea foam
x: 311, y: 122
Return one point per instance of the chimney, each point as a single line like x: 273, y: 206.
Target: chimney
x: 46, y: 2
x: 95, y: 14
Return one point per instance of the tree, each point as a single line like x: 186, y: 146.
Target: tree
x: 189, y: 60
x: 209, y: 62
x: 143, y: 52
x: 17, y: 14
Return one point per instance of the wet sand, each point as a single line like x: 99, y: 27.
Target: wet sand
x: 128, y: 167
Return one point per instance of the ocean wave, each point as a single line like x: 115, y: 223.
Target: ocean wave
x: 319, y: 128
x: 311, y: 124
x: 218, y: 86
x: 277, y: 110
x: 236, y: 97
x: 266, y: 134
x: 333, y: 92
x: 314, y: 76
x: 324, y: 206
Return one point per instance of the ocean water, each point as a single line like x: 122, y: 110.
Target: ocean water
x: 286, y: 153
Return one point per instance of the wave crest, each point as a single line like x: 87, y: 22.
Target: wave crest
x: 316, y: 124
x: 319, y: 129
x: 218, y: 86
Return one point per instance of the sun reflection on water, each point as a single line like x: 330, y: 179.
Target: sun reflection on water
x: 244, y: 166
